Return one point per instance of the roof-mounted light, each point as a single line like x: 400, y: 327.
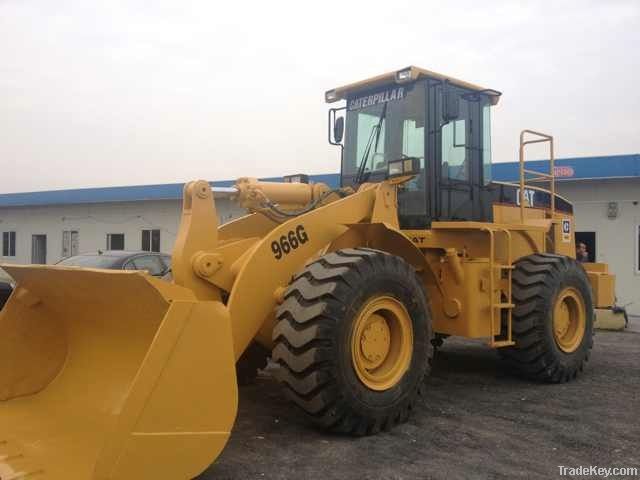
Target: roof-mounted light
x: 405, y: 75
x: 331, y: 96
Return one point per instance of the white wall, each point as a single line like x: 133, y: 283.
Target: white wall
x: 616, y: 239
x: 94, y: 222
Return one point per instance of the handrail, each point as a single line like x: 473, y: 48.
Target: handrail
x: 541, y: 176
x: 492, y: 261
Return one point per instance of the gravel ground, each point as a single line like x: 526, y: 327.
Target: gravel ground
x: 476, y: 422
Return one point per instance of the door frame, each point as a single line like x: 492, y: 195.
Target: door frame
x: 479, y: 205
x: 34, y: 238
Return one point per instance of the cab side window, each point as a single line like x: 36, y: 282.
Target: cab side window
x: 455, y: 161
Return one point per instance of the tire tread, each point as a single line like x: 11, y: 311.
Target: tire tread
x: 313, y: 303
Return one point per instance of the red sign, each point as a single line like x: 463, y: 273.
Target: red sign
x: 563, y: 171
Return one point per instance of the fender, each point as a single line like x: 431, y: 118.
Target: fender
x: 381, y: 236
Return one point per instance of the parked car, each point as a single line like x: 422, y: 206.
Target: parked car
x: 157, y: 264
x: 5, y: 291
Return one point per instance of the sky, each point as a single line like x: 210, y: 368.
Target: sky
x: 139, y: 92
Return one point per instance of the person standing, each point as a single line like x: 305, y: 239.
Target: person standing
x: 582, y: 254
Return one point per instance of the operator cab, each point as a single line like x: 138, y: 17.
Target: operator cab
x: 442, y: 124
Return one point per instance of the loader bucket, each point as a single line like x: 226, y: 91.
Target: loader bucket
x: 111, y: 375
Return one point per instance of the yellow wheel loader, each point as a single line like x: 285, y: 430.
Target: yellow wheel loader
x: 119, y: 375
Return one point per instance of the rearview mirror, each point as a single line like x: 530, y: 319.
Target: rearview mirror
x: 451, y: 105
x: 338, y: 129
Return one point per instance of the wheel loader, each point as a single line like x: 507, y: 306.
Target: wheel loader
x: 120, y: 375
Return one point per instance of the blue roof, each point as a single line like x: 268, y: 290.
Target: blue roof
x: 581, y: 168
x: 613, y: 166
x: 93, y: 195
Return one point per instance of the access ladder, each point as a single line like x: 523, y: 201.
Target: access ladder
x: 500, y: 270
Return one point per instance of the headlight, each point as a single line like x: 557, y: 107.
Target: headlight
x: 404, y: 75
x: 331, y: 96
x: 404, y: 166
x: 395, y: 168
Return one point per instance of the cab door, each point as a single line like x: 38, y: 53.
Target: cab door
x: 457, y: 159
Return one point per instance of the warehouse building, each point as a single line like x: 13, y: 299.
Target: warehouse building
x: 44, y: 227
x: 605, y: 193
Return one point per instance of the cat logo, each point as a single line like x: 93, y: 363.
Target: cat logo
x: 529, y: 195
x: 566, y: 230
x: 376, y: 98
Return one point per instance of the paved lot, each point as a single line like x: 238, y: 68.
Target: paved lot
x: 476, y: 422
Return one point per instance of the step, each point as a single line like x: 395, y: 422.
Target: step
x: 503, y: 267
x: 503, y: 343
x: 503, y: 305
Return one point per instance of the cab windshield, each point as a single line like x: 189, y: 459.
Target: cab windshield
x: 383, y: 125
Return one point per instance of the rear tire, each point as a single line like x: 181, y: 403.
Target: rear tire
x: 552, y: 318
x: 320, y: 322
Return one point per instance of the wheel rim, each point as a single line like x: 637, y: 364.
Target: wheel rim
x: 569, y: 320
x: 382, y: 343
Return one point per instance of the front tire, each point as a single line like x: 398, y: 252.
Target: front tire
x: 552, y: 318
x: 353, y: 340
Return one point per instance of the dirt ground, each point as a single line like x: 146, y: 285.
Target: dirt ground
x: 477, y: 422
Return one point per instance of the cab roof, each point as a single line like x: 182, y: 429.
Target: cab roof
x: 405, y: 75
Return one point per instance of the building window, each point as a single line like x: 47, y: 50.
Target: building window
x: 115, y: 241
x: 8, y: 244
x: 70, y: 243
x: 151, y: 240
